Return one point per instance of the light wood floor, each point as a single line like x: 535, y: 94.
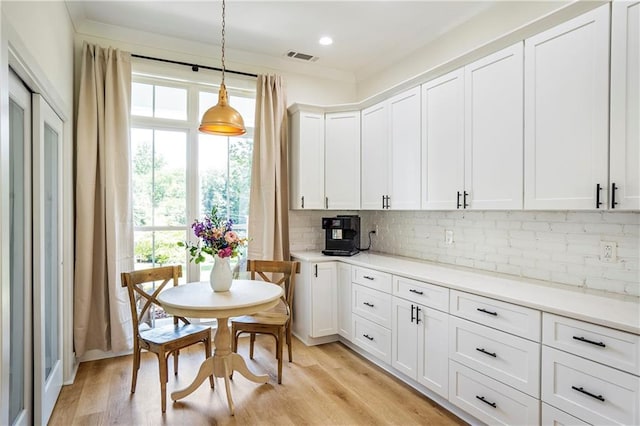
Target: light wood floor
x: 325, y: 385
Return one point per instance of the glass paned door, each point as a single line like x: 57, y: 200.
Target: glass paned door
x: 20, y: 357
x: 47, y: 265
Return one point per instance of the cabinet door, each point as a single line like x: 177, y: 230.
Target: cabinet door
x: 443, y: 141
x: 404, y: 117
x: 344, y: 300
x: 566, y: 114
x: 494, y: 130
x: 324, y: 300
x: 404, y: 346
x: 307, y: 154
x: 342, y: 160
x: 625, y: 105
x: 375, y: 156
x: 433, y: 338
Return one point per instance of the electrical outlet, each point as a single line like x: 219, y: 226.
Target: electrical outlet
x: 448, y: 236
x: 376, y: 228
x: 608, y: 251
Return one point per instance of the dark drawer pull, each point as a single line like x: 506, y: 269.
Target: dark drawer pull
x: 495, y: 314
x: 416, y: 291
x: 481, y: 398
x: 493, y: 354
x: 366, y: 336
x: 582, y: 339
x: 581, y: 390
x: 367, y: 277
x: 368, y: 304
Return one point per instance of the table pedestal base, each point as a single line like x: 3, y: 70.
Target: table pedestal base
x: 222, y: 364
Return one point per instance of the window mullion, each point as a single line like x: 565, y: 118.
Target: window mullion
x: 193, y: 270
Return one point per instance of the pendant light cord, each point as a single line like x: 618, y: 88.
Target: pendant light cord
x: 223, y: 25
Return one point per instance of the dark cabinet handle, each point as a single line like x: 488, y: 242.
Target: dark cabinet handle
x: 417, y: 314
x: 383, y: 198
x: 614, y: 203
x: 464, y: 200
x: 416, y: 291
x: 458, y: 205
x: 368, y: 304
x: 582, y: 339
x: 481, y: 398
x: 302, y: 198
x: 598, y: 202
x: 581, y: 390
x: 366, y: 336
x: 412, y: 308
x: 495, y: 314
x: 388, y: 199
x: 326, y: 202
x: 367, y: 277
x: 484, y: 351
x: 316, y: 273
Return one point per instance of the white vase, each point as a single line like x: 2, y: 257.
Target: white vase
x: 221, y: 277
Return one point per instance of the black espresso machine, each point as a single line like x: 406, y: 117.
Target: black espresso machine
x: 342, y: 235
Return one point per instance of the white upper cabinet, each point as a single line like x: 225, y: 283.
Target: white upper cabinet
x: 404, y: 184
x: 493, y: 126
x: 307, y: 160
x: 375, y: 156
x: 566, y: 114
x: 391, y: 153
x: 443, y: 141
x: 342, y: 160
x: 625, y: 111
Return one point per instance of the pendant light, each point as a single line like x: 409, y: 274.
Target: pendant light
x: 222, y: 119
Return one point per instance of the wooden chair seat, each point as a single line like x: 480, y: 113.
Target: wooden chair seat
x: 163, y: 340
x: 276, y: 321
x: 170, y: 333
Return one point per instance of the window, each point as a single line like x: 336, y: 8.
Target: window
x: 179, y: 174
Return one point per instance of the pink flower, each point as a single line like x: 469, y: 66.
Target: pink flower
x: 231, y: 237
x: 225, y: 252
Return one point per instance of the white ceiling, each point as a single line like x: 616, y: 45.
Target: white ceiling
x: 368, y: 35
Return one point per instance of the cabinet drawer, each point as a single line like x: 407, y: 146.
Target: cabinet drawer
x: 551, y: 416
x: 509, y: 359
x: 489, y: 400
x: 426, y: 294
x: 601, y: 344
x: 514, y: 319
x: 588, y: 390
x: 373, y: 279
x: 373, y: 338
x: 371, y: 304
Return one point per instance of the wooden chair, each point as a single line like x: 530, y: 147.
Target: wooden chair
x: 165, y: 340
x: 276, y: 321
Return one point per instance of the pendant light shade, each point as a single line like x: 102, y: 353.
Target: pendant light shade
x: 222, y: 119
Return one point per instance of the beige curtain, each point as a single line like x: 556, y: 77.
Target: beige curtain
x: 104, y: 227
x: 269, y: 202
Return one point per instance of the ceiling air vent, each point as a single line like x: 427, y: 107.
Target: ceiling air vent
x: 301, y: 56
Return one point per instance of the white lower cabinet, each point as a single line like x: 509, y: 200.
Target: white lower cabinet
x: 551, y: 416
x: 344, y: 300
x: 590, y: 391
x: 490, y: 400
x: 419, y: 345
x: 372, y: 337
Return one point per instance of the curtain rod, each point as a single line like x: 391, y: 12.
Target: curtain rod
x: 194, y: 67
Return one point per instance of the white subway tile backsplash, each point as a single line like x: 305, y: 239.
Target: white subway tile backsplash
x: 559, y: 246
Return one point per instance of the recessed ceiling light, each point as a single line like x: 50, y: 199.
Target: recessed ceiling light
x: 325, y: 41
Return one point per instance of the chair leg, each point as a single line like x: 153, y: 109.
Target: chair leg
x: 279, y: 352
x: 176, y: 354
x: 251, y: 342
x: 136, y: 366
x: 234, y: 341
x: 289, y: 349
x: 207, y: 354
x: 162, y: 361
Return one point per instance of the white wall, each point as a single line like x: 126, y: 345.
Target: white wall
x: 563, y: 247
x: 37, y: 40
x: 497, y: 27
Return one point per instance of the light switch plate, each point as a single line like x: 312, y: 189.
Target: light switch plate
x: 448, y: 236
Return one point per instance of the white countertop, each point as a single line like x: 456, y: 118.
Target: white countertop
x: 598, y: 307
